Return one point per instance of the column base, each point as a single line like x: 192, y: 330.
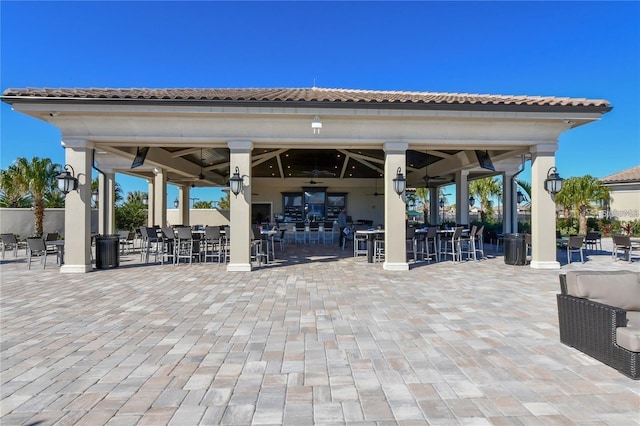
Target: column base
x: 75, y: 269
x: 395, y: 266
x: 239, y: 267
x: 536, y: 264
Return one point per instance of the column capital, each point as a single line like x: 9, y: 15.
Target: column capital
x: 76, y: 143
x: 544, y: 148
x: 395, y: 147
x: 240, y: 146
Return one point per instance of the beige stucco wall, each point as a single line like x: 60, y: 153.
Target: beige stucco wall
x: 625, y: 202
x: 210, y: 217
x: 20, y: 221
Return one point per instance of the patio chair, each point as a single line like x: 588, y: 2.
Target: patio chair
x: 37, y: 248
x: 452, y: 245
x: 623, y: 243
x: 51, y: 236
x: 431, y: 244
x: 468, y: 243
x: 593, y: 240
x: 168, y: 245
x: 479, y: 240
x: 183, y: 245
x: 212, y: 244
x: 9, y: 242
x: 150, y: 241
x: 575, y: 245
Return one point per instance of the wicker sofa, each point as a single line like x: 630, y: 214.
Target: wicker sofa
x: 599, y: 314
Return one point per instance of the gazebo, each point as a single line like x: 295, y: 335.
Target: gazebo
x: 282, y: 142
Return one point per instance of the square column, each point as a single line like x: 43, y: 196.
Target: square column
x: 240, y: 207
x: 184, y: 193
x: 462, y: 197
x: 77, y: 209
x: 159, y: 197
x: 106, y: 202
x: 150, y: 203
x: 434, y: 207
x: 543, y: 210
x: 394, y: 208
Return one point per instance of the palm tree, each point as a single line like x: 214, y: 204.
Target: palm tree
x: 484, y: 189
x: 581, y: 195
x: 225, y: 202
x: 95, y: 183
x: 37, y: 178
x: 12, y: 192
x: 203, y: 205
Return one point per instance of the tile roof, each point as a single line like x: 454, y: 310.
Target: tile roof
x: 628, y: 175
x: 314, y: 94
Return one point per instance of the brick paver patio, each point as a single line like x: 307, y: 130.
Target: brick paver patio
x: 321, y: 338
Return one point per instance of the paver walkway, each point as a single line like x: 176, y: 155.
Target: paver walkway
x: 322, y: 338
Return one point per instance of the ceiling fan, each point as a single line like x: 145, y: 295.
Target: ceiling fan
x: 428, y: 178
x: 315, y: 174
x: 200, y: 177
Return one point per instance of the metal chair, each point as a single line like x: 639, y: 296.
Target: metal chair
x: 480, y: 241
x: 624, y: 244
x: 168, y: 245
x: 9, y: 242
x: 37, y: 248
x: 452, y: 245
x: 183, y: 245
x: 212, y: 244
x: 150, y: 240
x: 378, y: 247
x: 469, y: 243
x: 575, y: 245
x: 431, y: 242
x: 593, y: 240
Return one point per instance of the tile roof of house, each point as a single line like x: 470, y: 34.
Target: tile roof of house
x: 311, y: 95
x: 628, y: 175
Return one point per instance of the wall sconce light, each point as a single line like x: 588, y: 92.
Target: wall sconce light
x: 236, y: 183
x: 553, y: 182
x: 316, y: 125
x: 472, y: 201
x: 441, y: 203
x: 399, y: 182
x: 95, y: 197
x: 519, y: 196
x: 145, y: 199
x: 176, y: 203
x: 67, y: 182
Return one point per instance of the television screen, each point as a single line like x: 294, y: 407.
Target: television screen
x: 485, y: 160
x: 335, y: 200
x: 293, y: 200
x: 141, y: 154
x: 315, y: 197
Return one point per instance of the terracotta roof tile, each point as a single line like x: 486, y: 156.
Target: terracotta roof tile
x: 303, y: 95
x: 628, y: 175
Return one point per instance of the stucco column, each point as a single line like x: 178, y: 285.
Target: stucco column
x: 77, y: 209
x: 434, y: 207
x: 106, y: 202
x: 150, y: 203
x: 240, y: 207
x: 543, y: 210
x: 394, y: 208
x: 184, y: 193
x: 462, y: 197
x: 508, y: 203
x: 159, y: 197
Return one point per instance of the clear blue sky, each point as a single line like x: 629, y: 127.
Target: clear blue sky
x: 575, y: 49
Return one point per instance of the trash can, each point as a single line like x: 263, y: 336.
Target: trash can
x: 515, y: 249
x: 107, y: 251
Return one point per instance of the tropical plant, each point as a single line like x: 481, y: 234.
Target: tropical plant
x: 13, y: 193
x: 35, y: 178
x: 203, y: 205
x: 580, y: 195
x: 132, y: 213
x: 484, y: 189
x: 526, y: 187
x: 225, y: 202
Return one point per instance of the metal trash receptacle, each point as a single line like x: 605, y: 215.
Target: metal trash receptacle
x: 107, y: 251
x: 515, y: 249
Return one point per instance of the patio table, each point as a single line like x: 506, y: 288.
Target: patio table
x: 371, y: 235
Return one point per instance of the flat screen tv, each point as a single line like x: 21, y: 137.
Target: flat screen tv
x: 141, y: 154
x: 485, y: 160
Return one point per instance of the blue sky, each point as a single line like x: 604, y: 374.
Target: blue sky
x: 574, y: 49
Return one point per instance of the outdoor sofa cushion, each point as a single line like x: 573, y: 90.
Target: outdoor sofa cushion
x: 614, y: 288
x: 629, y: 337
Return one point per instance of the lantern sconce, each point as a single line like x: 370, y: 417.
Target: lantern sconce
x: 176, y: 203
x: 553, y: 182
x: 472, y: 201
x: 236, y: 182
x: 399, y: 182
x: 519, y: 197
x: 67, y: 181
x: 95, y: 197
x: 145, y: 199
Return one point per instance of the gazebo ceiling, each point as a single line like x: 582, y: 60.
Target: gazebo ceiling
x: 210, y: 166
